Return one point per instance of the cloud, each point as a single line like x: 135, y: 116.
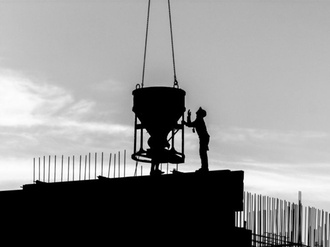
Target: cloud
x: 24, y: 102
x: 36, y: 116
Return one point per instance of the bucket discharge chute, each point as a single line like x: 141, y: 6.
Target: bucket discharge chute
x: 157, y: 113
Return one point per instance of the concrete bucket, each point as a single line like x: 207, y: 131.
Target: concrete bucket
x: 158, y: 110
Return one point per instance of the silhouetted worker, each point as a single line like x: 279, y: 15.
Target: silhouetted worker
x: 204, y: 137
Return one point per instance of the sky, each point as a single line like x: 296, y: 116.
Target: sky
x: 259, y: 68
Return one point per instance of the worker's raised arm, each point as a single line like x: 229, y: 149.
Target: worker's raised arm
x: 189, y: 123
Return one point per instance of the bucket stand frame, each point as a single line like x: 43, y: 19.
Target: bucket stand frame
x: 140, y: 154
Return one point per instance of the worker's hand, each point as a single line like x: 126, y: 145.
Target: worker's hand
x: 189, y: 113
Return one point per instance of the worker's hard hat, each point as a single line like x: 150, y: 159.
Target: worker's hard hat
x: 201, y: 112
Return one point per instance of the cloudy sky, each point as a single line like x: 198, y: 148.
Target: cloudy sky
x: 259, y: 68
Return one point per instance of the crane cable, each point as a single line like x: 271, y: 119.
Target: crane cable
x: 145, y: 45
x: 176, y: 84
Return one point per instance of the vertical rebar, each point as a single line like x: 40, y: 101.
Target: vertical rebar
x: 247, y: 210
x: 322, y: 228
x: 119, y: 164
x: 256, y: 208
x: 109, y: 164
x: 62, y: 168
x: 54, y: 168
x: 102, y: 164
x: 85, y: 167
x: 79, y: 167
x: 309, y: 227
x: 259, y: 215
x: 34, y: 170
x: 276, y: 217
x: 68, y: 168
x: 44, y: 170
x: 299, y: 218
x: 73, y: 167
x: 328, y: 219
x: 305, y: 227
x: 125, y: 163
x: 48, y: 168
x: 39, y: 170
x: 114, y: 165
x: 95, y: 164
x: 89, y: 165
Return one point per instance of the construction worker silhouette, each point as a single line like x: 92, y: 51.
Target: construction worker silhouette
x: 204, y: 137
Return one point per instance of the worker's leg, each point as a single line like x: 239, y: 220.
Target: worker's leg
x: 204, y: 159
x: 203, y: 147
